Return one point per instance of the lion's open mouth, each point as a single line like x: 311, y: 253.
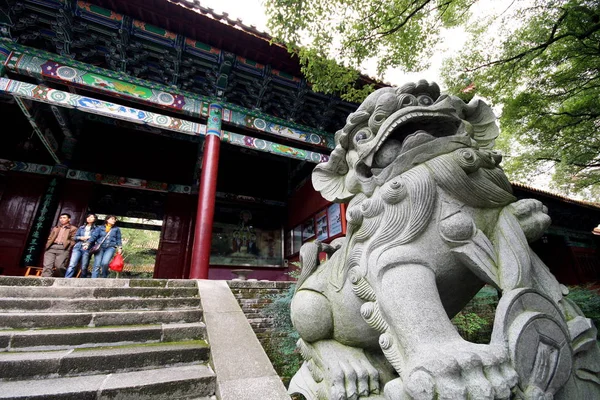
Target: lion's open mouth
x: 409, y: 132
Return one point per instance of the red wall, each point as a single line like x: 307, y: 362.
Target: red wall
x: 304, y: 203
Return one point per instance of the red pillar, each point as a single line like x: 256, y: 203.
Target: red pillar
x: 206, y: 196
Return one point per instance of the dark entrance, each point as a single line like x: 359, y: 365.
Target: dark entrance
x: 140, y: 215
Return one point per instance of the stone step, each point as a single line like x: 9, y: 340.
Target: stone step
x: 75, y: 292
x: 185, y: 382
x: 97, y: 282
x: 31, y: 320
x: 93, y: 304
x: 64, y: 339
x: 27, y: 365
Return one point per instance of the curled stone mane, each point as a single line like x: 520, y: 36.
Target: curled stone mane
x: 396, y: 214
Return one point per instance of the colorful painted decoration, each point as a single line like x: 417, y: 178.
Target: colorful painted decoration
x: 44, y: 65
x: 8, y: 165
x: 39, y: 67
x: 94, y: 106
x: 274, y: 148
x: 4, y: 55
x: 114, y: 180
x: 260, y: 124
x: 215, y: 111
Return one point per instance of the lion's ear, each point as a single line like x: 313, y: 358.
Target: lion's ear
x: 482, y: 118
x: 329, y: 177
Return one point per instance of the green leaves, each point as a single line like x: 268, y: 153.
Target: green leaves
x: 545, y: 75
x: 338, y: 37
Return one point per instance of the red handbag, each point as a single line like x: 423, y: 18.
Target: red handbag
x: 117, y: 263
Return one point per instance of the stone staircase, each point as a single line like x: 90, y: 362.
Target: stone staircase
x: 103, y: 339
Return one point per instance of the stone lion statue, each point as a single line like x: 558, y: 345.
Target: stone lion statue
x: 431, y: 220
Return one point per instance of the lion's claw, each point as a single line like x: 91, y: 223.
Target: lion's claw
x: 351, y: 374
x: 532, y: 216
x: 462, y: 371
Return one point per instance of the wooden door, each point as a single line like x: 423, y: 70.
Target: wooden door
x: 75, y: 197
x: 173, y: 258
x: 20, y: 199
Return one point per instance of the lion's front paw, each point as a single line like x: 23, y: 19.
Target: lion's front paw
x: 461, y: 370
x: 532, y: 216
x: 342, y: 372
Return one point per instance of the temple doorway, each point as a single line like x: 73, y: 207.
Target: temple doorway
x: 140, y: 218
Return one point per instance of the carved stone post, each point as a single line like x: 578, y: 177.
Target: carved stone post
x: 206, y: 196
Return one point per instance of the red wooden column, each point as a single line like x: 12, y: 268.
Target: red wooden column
x: 206, y: 196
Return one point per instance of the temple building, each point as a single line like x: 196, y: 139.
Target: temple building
x: 186, y: 123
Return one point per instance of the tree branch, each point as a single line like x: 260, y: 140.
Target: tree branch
x: 558, y: 160
x: 541, y: 47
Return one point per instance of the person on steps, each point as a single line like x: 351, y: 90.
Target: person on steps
x: 110, y: 237
x: 60, y: 242
x: 85, y: 238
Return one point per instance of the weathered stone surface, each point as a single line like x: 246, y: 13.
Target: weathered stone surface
x: 59, y: 339
x: 179, y: 332
x: 196, y: 381
x: 431, y: 219
x: 28, y: 320
x: 86, y: 362
x: 96, y: 304
x: 97, y: 292
x: 110, y: 318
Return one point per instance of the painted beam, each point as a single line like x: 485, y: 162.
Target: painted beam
x: 44, y: 65
x: 113, y: 110
x: 133, y: 183
x: 274, y: 148
x: 94, y: 106
x: 20, y: 166
x: 4, y: 56
x: 274, y: 128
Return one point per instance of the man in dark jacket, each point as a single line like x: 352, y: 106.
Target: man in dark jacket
x: 60, y: 241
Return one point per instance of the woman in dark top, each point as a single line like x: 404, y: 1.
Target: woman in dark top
x: 110, y: 237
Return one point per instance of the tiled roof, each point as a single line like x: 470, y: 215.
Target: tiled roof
x: 224, y: 18
x: 557, y: 196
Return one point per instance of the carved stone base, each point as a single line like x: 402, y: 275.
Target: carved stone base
x: 534, y: 330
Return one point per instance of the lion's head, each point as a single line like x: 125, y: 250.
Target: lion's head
x: 395, y: 129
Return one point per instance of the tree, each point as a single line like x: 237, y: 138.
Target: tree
x: 334, y: 38
x: 536, y: 60
x: 544, y: 72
